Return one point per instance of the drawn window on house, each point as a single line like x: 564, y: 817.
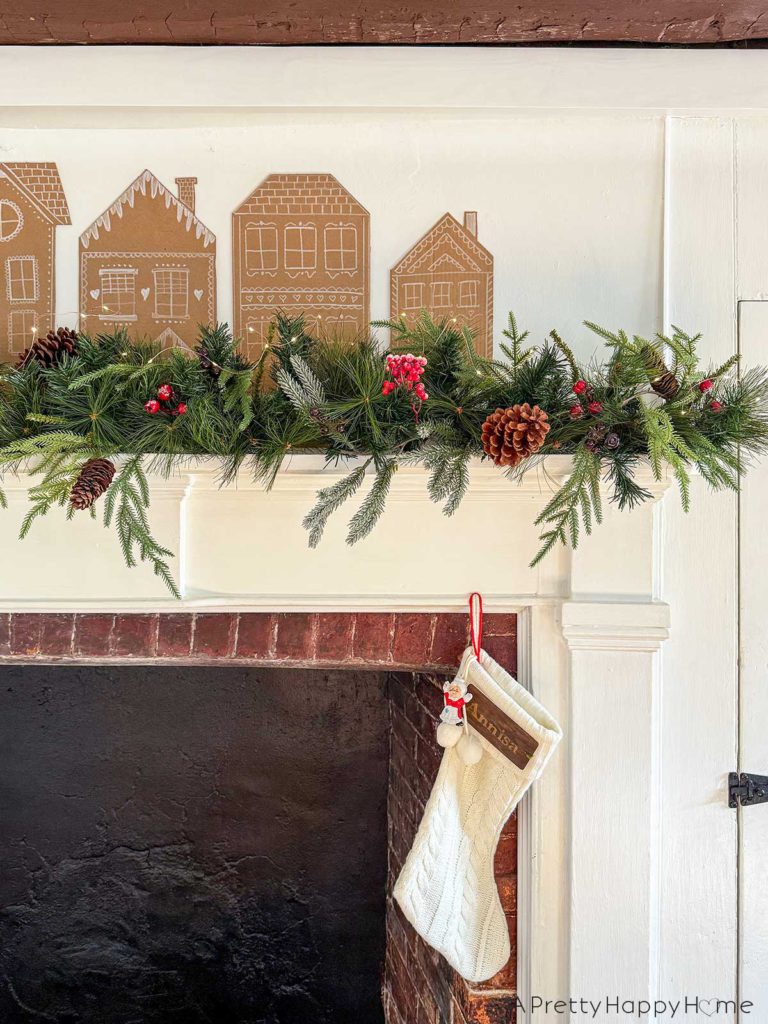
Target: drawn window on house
x: 22, y: 326
x: 11, y: 220
x: 413, y: 295
x: 300, y: 247
x: 171, y: 294
x: 118, y: 294
x: 468, y: 293
x: 341, y: 247
x: 441, y: 293
x: 260, y: 247
x: 21, y: 278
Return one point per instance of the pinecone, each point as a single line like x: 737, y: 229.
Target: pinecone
x: 595, y: 438
x: 511, y: 435
x: 48, y: 350
x: 95, y: 477
x: 664, y: 383
x: 207, y: 364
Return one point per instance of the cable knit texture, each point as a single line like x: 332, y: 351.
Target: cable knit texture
x: 447, y: 888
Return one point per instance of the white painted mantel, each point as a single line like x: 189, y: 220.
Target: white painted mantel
x: 590, y: 626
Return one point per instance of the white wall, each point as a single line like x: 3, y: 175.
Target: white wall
x: 561, y: 254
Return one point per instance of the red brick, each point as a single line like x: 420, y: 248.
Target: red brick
x: 26, y: 633
x: 450, y: 639
x: 373, y: 634
x: 254, y: 635
x: 334, y: 637
x: 479, y: 1008
x: 5, y: 633
x: 412, y: 639
x: 502, y: 649
x: 174, y: 635
x: 57, y: 634
x: 510, y: 826
x: 500, y: 624
x: 295, y: 636
x: 214, y: 635
x: 134, y: 636
x: 507, y: 886
x: 505, y: 979
x: 505, y: 860
x: 92, y: 635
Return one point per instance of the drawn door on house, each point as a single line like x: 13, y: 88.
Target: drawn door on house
x: 753, y: 697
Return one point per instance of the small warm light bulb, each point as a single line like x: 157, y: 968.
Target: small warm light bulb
x: 293, y: 338
x: 251, y: 329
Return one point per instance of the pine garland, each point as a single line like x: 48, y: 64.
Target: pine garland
x: 650, y: 401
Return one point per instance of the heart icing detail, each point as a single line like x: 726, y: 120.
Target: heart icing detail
x: 95, y: 293
x: 145, y: 293
x: 198, y: 293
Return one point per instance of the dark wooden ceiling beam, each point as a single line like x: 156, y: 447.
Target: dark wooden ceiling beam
x: 308, y: 22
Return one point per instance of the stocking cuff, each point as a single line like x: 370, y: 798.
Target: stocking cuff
x: 517, y: 703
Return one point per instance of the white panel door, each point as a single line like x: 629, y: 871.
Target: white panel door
x: 753, y: 739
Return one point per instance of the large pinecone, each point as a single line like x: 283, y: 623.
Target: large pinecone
x: 48, y: 350
x: 664, y: 382
x: 511, y: 435
x: 95, y: 477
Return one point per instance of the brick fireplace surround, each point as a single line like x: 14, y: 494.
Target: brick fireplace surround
x: 418, y: 986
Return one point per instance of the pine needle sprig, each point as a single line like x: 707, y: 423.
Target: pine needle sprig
x: 329, y: 499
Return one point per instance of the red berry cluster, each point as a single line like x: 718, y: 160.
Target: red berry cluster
x: 165, y: 402
x: 704, y: 387
x: 582, y: 388
x: 406, y: 371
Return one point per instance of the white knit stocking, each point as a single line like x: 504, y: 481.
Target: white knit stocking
x: 447, y: 888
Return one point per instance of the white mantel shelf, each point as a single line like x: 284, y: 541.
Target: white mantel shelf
x: 242, y: 548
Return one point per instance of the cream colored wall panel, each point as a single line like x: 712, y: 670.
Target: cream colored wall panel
x: 695, y: 706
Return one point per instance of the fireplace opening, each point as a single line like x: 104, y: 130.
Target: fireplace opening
x: 210, y: 833
x: 186, y: 845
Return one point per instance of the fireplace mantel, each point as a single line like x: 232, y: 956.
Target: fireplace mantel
x: 589, y: 631
x: 240, y: 547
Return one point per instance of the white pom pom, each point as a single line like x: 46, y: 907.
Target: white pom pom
x: 469, y: 748
x: 448, y: 735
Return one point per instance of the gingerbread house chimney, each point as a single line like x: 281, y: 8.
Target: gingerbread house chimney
x: 470, y: 222
x: 186, y: 187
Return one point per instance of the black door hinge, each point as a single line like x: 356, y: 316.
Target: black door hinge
x: 744, y: 789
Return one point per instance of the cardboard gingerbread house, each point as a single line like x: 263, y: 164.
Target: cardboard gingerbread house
x: 148, y: 264
x: 32, y: 206
x: 450, y: 274
x: 300, y: 244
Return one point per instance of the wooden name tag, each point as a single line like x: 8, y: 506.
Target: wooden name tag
x: 496, y: 727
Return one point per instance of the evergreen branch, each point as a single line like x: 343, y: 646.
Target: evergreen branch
x: 373, y: 504
x: 329, y: 499
x: 567, y: 353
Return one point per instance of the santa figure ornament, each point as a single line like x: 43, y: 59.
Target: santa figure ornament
x: 453, y: 731
x: 497, y: 740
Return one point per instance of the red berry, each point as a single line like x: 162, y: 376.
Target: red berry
x: 579, y: 387
x: 181, y: 408
x: 705, y: 385
x: 164, y: 392
x: 576, y: 412
x: 715, y: 406
x: 595, y: 408
x: 152, y: 406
